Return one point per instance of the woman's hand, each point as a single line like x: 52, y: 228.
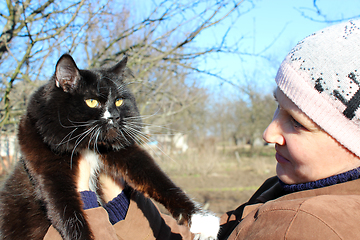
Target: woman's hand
x: 83, y: 176
x: 110, y: 187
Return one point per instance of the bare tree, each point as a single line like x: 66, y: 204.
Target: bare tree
x: 160, y: 44
x: 317, y: 14
x: 244, y: 114
x: 161, y: 49
x: 32, y: 29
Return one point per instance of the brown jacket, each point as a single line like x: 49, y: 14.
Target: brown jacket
x: 326, y: 213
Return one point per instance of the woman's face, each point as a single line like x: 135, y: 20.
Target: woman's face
x: 304, y: 152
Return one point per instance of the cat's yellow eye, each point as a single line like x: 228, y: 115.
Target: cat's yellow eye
x: 92, y: 103
x: 119, y: 102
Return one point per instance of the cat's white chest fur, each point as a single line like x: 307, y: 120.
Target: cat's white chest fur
x: 95, y: 165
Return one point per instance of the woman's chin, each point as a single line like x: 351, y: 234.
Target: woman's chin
x: 284, y: 175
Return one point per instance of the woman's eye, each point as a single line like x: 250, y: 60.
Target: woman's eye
x: 296, y: 124
x: 92, y: 103
x: 119, y: 102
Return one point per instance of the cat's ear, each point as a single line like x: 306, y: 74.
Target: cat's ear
x: 121, y: 69
x: 67, y: 74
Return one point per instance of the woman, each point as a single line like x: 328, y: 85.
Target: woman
x: 316, y: 132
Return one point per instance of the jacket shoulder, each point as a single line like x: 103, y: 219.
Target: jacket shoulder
x: 335, y: 216
x: 319, y: 217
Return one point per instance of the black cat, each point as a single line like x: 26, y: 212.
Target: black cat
x: 87, y: 113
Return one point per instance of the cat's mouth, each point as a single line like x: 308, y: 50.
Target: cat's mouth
x: 113, y: 138
x: 112, y: 133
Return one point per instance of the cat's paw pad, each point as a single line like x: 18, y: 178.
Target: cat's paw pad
x: 205, y: 226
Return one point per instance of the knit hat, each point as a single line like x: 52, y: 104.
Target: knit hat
x: 321, y: 75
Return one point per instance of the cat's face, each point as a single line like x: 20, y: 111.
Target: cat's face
x: 88, y: 109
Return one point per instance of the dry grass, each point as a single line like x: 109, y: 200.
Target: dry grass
x: 260, y: 160
x: 221, y: 179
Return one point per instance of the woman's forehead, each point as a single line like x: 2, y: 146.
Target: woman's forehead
x: 286, y: 104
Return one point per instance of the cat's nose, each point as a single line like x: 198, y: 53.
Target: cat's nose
x: 115, y: 116
x: 111, y: 117
x: 113, y: 120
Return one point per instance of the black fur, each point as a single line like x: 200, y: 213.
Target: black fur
x: 57, y: 127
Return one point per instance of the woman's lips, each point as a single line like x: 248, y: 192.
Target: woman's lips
x: 280, y: 158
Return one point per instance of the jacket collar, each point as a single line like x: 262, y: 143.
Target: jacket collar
x: 276, y: 192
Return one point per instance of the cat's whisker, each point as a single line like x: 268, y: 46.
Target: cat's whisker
x: 102, y: 94
x: 118, y: 139
x: 70, y: 138
x: 149, y: 138
x: 120, y: 87
x: 81, y: 137
x: 92, y: 138
x: 131, y: 134
x: 142, y: 139
x: 151, y: 126
x: 75, y: 124
x: 138, y: 136
x: 82, y: 124
x: 143, y: 117
x: 139, y: 122
x: 134, y: 117
x: 96, y: 142
x: 96, y: 138
x: 60, y: 120
x: 68, y: 135
x: 136, y: 132
x: 141, y: 136
x: 122, y: 134
x: 133, y: 82
x: 145, y: 143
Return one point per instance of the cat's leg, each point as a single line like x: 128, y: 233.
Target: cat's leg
x: 54, y: 177
x: 142, y: 172
x: 22, y: 214
x: 57, y: 188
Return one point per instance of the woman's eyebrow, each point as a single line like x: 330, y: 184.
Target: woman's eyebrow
x: 274, y: 94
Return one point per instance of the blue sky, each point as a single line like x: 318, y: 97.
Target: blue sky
x: 279, y: 24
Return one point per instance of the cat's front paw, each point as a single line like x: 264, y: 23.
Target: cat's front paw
x: 205, y: 226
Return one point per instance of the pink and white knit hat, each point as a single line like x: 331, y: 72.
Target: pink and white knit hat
x: 321, y: 75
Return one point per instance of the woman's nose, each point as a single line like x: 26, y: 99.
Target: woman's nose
x: 273, y: 133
